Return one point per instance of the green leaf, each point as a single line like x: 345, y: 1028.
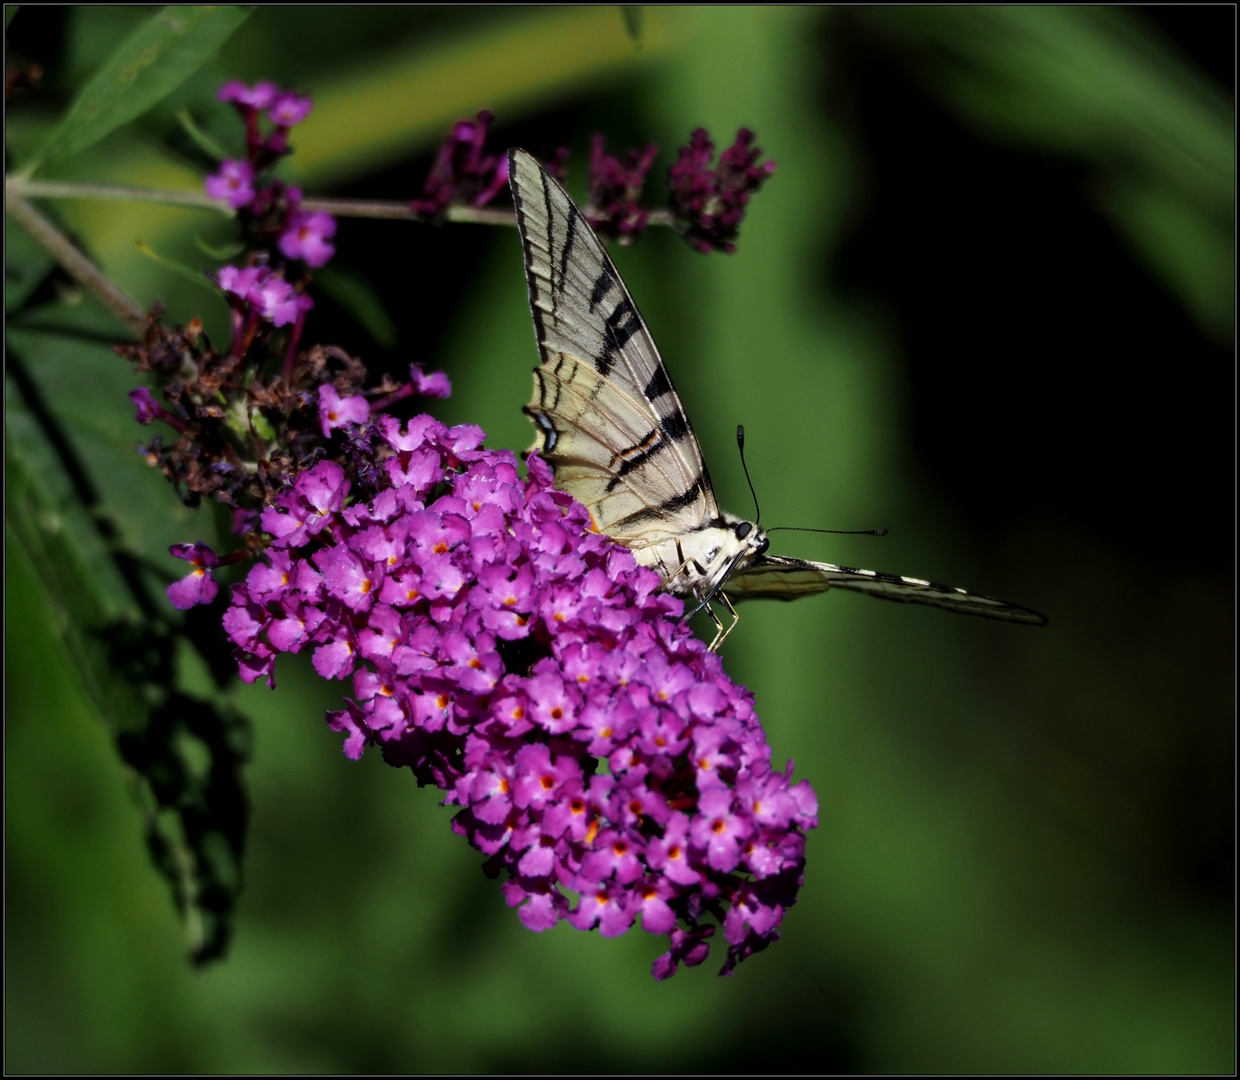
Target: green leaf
x: 66, y: 350
x: 1193, y: 257
x: 73, y: 505
x: 634, y: 18
x: 357, y: 296
x: 200, y: 138
x: 198, y: 277
x: 190, y: 754
x: 220, y: 252
x: 402, y: 100
x: 157, y: 58
x: 262, y: 425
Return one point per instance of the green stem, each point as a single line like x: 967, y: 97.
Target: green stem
x: 86, y: 273
x: 343, y: 208
x: 53, y: 189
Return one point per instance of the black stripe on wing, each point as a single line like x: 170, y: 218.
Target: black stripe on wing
x: 665, y: 509
x: 518, y: 206
x: 621, y: 324
x: 781, y: 578
x: 581, y: 308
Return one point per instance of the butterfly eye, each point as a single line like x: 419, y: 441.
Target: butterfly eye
x: 743, y: 529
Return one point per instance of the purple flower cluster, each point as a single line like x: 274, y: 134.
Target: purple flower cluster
x: 615, y: 188
x: 463, y: 172
x: 256, y: 295
x: 528, y: 666
x: 708, y: 204
x: 274, y: 207
x: 495, y: 643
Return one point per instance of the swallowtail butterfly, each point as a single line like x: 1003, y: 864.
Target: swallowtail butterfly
x: 611, y: 427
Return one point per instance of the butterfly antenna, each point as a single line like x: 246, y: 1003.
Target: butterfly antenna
x: 740, y: 443
x: 880, y: 531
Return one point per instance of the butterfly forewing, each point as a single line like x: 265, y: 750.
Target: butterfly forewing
x: 782, y: 578
x: 609, y: 423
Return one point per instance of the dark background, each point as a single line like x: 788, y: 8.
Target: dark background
x: 943, y: 318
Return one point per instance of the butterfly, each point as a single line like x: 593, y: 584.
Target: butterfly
x: 614, y: 432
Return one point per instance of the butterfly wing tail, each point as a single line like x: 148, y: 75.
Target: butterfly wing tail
x: 775, y: 577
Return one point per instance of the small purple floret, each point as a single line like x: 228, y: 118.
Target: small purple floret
x: 335, y: 411
x: 271, y: 297
x: 197, y: 587
x: 147, y: 407
x: 234, y: 183
x: 238, y: 281
x: 289, y: 109
x: 260, y: 96
x: 434, y: 385
x: 308, y: 238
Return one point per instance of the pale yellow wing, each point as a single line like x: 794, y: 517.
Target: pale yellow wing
x: 582, y: 418
x: 608, y: 420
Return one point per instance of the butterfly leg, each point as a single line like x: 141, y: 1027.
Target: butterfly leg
x: 667, y: 581
x: 720, y: 633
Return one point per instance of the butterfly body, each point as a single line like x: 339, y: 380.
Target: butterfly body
x: 698, y: 563
x: 614, y: 432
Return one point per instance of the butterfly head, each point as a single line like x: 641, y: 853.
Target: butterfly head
x: 736, y: 543
x: 752, y: 539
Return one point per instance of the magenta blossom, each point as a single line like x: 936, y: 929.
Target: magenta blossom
x: 615, y: 188
x: 271, y: 297
x: 148, y: 408
x: 308, y: 238
x: 708, y: 204
x: 260, y: 96
x: 335, y: 411
x: 234, y: 183
x: 463, y: 172
x: 289, y: 109
x: 198, y: 586
x: 435, y: 385
x: 529, y: 668
x: 265, y: 144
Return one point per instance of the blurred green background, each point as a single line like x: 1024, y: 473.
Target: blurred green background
x: 986, y: 301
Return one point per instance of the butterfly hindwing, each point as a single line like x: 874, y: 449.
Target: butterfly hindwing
x: 781, y: 578
x: 609, y: 422
x: 599, y: 442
